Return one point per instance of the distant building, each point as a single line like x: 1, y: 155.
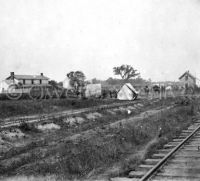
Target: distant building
x: 67, y: 84
x: 25, y: 82
x: 187, y: 79
x: 29, y: 79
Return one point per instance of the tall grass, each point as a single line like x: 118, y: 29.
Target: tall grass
x: 105, y: 146
x: 9, y: 108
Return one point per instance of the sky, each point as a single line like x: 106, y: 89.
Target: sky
x: 159, y: 38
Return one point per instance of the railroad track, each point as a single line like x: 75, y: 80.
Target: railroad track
x: 178, y: 160
x: 42, y: 118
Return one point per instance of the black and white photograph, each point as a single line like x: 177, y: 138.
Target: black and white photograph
x: 99, y: 90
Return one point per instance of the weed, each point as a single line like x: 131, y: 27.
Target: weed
x: 132, y: 141
x: 29, y: 107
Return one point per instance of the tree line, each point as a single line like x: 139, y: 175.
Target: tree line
x: 126, y: 73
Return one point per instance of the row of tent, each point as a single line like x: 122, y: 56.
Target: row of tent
x: 126, y: 92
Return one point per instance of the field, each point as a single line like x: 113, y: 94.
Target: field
x: 94, y: 145
x: 11, y: 108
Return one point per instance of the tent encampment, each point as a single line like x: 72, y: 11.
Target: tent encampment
x: 127, y: 92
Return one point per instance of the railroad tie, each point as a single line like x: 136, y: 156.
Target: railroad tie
x: 136, y: 174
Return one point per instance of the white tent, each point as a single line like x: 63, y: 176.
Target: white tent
x: 93, y: 90
x: 66, y: 83
x: 127, y: 92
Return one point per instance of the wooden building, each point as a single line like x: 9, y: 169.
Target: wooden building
x: 187, y: 79
x: 29, y: 80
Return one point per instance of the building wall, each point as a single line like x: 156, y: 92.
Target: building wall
x: 189, y: 81
x: 21, y: 81
x: 35, y: 82
x: 28, y: 82
x: 45, y: 82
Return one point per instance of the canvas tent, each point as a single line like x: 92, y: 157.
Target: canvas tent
x: 66, y: 83
x: 127, y: 92
x: 93, y: 90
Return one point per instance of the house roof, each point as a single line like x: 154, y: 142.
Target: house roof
x: 187, y: 73
x: 30, y: 77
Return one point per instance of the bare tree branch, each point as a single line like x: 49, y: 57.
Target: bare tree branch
x: 126, y: 72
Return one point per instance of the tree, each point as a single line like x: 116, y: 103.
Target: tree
x: 95, y: 81
x: 112, y: 81
x: 53, y: 83
x: 77, y: 80
x: 60, y: 84
x: 126, y: 72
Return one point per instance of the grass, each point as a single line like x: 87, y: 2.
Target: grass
x: 170, y: 123
x: 32, y: 178
x: 10, y: 108
x: 132, y: 142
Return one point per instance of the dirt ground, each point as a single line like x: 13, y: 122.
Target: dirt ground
x: 84, y: 146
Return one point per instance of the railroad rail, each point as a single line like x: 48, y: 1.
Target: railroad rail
x: 44, y: 117
x: 177, y: 160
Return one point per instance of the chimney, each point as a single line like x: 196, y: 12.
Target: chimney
x: 12, y: 75
x: 41, y: 74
